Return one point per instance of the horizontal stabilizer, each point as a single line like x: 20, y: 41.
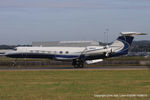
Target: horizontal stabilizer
x: 132, y: 33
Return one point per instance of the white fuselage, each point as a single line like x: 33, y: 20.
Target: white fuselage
x: 59, y: 53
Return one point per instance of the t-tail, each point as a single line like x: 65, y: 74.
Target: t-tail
x: 123, y: 43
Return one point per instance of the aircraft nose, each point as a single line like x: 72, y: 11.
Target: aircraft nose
x: 7, y: 54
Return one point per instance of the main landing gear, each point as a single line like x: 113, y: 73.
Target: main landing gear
x: 78, y: 63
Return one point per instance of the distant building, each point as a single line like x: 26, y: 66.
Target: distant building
x: 66, y: 43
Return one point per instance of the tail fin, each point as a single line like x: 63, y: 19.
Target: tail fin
x: 123, y: 42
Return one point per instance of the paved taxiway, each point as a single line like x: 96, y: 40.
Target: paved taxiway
x: 69, y: 68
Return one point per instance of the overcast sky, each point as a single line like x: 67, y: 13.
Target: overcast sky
x: 24, y: 21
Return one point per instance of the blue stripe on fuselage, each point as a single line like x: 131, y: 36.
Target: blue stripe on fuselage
x: 123, y: 51
x: 67, y: 56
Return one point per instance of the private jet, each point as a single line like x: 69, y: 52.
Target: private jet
x: 78, y: 55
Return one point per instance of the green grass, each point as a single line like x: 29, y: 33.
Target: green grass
x: 73, y: 84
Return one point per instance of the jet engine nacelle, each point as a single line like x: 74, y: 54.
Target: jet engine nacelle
x: 98, y: 50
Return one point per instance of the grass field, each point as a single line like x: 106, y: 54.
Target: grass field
x: 73, y: 84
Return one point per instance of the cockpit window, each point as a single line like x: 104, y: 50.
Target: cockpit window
x: 15, y: 49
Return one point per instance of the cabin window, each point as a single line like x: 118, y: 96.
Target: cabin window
x: 67, y: 52
x: 60, y: 52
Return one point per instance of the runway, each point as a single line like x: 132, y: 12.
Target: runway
x: 85, y: 68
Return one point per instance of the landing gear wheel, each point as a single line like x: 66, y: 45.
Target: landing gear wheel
x: 78, y: 63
